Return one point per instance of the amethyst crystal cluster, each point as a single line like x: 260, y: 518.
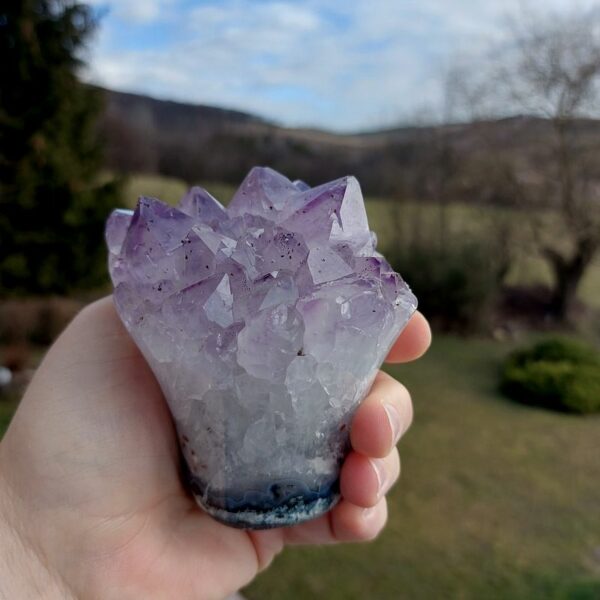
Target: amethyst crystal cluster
x: 265, y: 324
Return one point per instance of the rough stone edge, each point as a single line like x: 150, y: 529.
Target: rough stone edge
x: 278, y: 517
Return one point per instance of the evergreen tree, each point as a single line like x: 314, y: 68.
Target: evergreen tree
x: 52, y: 200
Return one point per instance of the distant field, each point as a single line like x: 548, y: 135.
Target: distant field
x: 387, y: 216
x: 169, y: 189
x: 496, y: 500
x: 165, y: 188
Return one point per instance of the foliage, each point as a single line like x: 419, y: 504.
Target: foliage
x: 52, y: 205
x: 456, y: 286
x: 558, y: 374
x: 456, y: 276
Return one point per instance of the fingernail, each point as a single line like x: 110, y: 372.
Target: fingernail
x: 381, y: 473
x: 395, y: 421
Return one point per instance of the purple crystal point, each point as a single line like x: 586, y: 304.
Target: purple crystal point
x: 116, y: 229
x: 265, y: 193
x: 265, y: 324
x: 198, y: 203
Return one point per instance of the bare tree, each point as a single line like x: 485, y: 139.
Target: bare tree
x: 550, y: 67
x: 558, y: 69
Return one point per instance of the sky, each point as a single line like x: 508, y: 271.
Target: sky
x: 333, y: 64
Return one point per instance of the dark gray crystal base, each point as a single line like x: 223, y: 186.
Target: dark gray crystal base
x: 285, y: 502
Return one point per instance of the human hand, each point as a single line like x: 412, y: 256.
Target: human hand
x: 91, y: 503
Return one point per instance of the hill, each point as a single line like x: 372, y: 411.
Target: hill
x: 195, y: 142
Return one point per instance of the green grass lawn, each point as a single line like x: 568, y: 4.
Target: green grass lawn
x: 496, y: 500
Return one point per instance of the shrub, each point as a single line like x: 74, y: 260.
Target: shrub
x: 455, y: 260
x: 456, y: 286
x: 558, y: 374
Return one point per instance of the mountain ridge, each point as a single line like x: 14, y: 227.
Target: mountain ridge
x: 196, y: 142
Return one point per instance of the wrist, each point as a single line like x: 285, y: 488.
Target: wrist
x: 23, y: 572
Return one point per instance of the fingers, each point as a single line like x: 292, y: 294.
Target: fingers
x: 346, y: 522
x: 368, y: 472
x: 373, y: 467
x: 412, y: 342
x: 382, y: 418
x: 364, y: 481
x: 351, y: 523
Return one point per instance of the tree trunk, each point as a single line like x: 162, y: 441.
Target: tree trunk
x: 568, y: 274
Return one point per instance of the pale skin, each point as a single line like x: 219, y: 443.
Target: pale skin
x: 91, y: 503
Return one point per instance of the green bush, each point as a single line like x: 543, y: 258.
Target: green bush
x: 456, y: 286
x: 558, y: 374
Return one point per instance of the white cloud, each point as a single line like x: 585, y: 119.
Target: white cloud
x: 331, y: 63
x: 140, y: 12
